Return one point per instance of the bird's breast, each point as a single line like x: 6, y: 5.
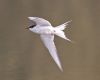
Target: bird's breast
x: 42, y: 30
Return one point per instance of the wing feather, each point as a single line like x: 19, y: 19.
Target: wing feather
x: 48, y: 41
x: 40, y: 21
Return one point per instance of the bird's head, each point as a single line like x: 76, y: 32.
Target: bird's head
x: 33, y: 23
x: 30, y: 27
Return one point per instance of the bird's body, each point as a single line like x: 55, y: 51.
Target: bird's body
x: 42, y: 30
x: 47, y: 32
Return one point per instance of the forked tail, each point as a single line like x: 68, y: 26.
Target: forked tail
x: 59, y: 30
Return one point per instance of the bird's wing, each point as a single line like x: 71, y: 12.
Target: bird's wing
x: 49, y: 43
x: 40, y: 21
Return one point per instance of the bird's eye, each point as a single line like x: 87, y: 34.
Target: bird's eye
x: 32, y: 26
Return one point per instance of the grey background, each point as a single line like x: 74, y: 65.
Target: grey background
x: 23, y: 55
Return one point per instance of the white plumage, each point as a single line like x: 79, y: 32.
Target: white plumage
x: 47, y: 32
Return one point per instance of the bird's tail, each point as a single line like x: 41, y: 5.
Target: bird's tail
x: 59, y: 30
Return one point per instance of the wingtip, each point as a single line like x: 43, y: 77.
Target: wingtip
x: 61, y: 69
x: 30, y: 18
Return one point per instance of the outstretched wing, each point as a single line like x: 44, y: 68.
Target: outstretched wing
x: 49, y: 43
x: 40, y: 21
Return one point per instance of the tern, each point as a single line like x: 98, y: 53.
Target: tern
x: 47, y: 32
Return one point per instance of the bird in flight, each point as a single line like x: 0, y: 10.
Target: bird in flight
x: 47, y: 32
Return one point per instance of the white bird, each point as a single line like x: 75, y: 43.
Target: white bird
x: 47, y: 32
